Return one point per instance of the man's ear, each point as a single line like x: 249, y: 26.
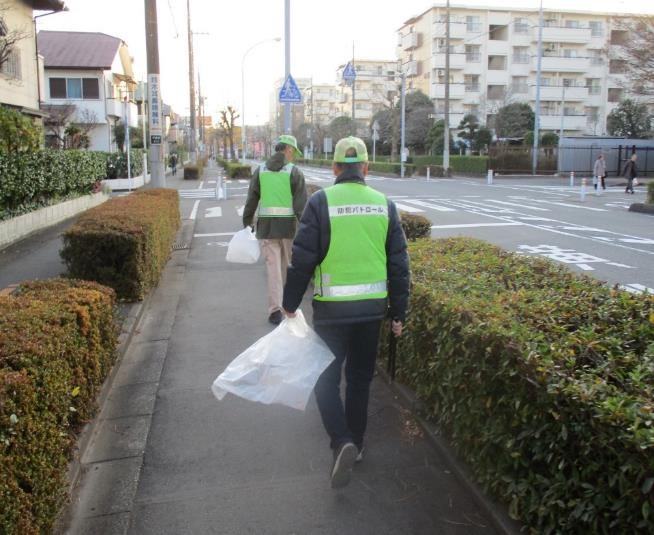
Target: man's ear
x: 364, y: 169
x: 334, y: 169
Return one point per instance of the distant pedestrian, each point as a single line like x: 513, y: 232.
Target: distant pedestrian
x: 278, y: 189
x: 630, y: 172
x: 599, y: 172
x: 351, y: 243
x: 173, y: 163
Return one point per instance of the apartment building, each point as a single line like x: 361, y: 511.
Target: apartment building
x: 376, y: 87
x: 493, y: 56
x: 321, y: 104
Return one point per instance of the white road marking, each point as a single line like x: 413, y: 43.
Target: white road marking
x: 239, y: 210
x: 407, y: 208
x: 214, y: 211
x: 430, y: 205
x: 201, y: 184
x: 197, y: 193
x: 194, y: 211
x: 213, y: 234
x: 637, y: 288
x: 472, y: 225
x: 568, y: 205
x: 641, y: 241
x: 520, y: 205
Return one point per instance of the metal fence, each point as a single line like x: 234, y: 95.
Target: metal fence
x: 517, y: 159
x: 579, y: 155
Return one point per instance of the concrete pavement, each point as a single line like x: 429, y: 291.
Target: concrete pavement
x: 165, y: 457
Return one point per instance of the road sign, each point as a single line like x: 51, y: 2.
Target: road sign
x: 349, y: 74
x: 155, y: 139
x: 327, y: 145
x: 290, y: 92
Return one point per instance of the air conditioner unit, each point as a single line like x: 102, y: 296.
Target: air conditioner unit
x: 440, y: 72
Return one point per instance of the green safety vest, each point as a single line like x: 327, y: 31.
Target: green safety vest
x: 355, y: 265
x: 276, y: 199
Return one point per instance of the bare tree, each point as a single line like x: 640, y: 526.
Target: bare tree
x: 227, y: 122
x: 636, y: 51
x: 59, y: 115
x: 8, y: 36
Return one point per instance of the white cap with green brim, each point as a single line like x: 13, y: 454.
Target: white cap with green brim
x: 350, y: 150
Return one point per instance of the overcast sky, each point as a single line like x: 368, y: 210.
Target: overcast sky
x: 322, y: 36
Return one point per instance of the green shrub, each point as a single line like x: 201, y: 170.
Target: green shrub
x: 650, y: 192
x: 125, y: 242
x: 32, y: 180
x: 238, y: 170
x: 470, y: 165
x: 117, y: 164
x: 543, y: 381
x: 57, y: 343
x: 18, y: 133
x: 415, y: 226
x: 191, y: 172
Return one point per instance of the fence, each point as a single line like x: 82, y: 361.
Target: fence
x: 579, y: 155
x: 515, y: 159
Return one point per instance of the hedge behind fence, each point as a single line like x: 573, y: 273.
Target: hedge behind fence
x: 125, y: 242
x: 543, y: 380
x: 57, y: 344
x: 31, y: 180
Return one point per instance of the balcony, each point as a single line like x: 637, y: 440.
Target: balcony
x: 457, y: 29
x: 411, y: 68
x: 570, y: 122
x: 411, y: 41
x: 457, y: 61
x: 572, y: 94
x: 456, y: 91
x: 560, y: 34
x: 561, y: 64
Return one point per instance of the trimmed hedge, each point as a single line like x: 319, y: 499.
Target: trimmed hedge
x: 32, y: 180
x: 125, y: 242
x: 57, y: 344
x: 415, y: 226
x: 542, y: 379
x: 117, y: 163
x: 237, y: 170
x: 469, y: 165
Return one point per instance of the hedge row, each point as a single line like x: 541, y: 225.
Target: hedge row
x: 31, y: 180
x: 469, y: 165
x: 125, y: 242
x: 117, y: 163
x: 650, y: 192
x: 237, y: 170
x: 57, y: 344
x: 542, y: 379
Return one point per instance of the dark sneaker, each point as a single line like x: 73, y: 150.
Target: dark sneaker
x: 343, y: 463
x: 276, y: 317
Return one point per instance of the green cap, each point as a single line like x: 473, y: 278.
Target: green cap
x: 343, y: 147
x: 290, y: 140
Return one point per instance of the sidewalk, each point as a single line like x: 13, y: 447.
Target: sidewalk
x: 166, y: 457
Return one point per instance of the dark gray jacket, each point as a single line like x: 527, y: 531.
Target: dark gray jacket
x: 310, y: 248
x: 275, y: 228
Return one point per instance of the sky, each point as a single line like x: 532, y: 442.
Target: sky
x: 322, y: 37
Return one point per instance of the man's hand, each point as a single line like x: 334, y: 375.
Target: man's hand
x: 289, y: 314
x: 396, y: 327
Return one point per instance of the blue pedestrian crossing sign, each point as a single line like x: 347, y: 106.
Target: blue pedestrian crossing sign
x: 290, y: 93
x: 349, y: 74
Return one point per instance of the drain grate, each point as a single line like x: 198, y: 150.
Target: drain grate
x: 180, y: 246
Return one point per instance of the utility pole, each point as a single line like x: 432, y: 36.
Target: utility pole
x: 191, y: 79
x: 200, y: 111
x: 287, y: 61
x: 402, y: 121
x: 539, y: 59
x: 154, y: 95
x: 446, y: 129
x: 354, y: 124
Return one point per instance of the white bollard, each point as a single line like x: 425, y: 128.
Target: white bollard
x: 572, y: 179
x: 427, y: 172
x: 583, y: 190
x: 489, y: 177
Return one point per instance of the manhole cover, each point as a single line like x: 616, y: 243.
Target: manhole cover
x: 179, y: 246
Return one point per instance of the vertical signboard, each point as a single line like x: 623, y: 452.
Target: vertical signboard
x: 156, y: 129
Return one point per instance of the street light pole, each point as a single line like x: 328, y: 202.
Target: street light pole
x: 287, y: 61
x: 446, y: 129
x: 191, y: 79
x: 243, y: 137
x: 402, y: 121
x: 539, y: 59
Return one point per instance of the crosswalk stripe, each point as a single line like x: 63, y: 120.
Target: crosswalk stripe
x: 430, y: 205
x: 408, y: 208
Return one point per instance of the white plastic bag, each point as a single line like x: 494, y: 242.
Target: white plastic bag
x: 282, y: 367
x: 243, y: 248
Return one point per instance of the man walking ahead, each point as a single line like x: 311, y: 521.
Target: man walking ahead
x: 351, y: 241
x: 278, y: 188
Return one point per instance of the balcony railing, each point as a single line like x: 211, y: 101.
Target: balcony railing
x: 520, y: 58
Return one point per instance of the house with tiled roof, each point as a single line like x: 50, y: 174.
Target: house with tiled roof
x: 21, y: 70
x: 89, y: 82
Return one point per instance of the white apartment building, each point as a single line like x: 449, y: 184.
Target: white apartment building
x: 376, y: 87
x: 493, y: 61
x: 321, y: 104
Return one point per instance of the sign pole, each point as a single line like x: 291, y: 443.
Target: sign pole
x: 154, y: 108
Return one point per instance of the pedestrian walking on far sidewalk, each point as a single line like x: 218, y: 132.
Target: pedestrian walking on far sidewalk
x: 351, y: 242
x: 278, y: 189
x: 630, y: 172
x: 173, y: 163
x: 599, y: 172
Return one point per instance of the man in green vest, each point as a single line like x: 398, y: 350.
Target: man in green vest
x: 351, y: 243
x: 278, y: 189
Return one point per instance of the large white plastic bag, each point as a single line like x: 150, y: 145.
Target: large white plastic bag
x: 282, y: 367
x: 243, y: 247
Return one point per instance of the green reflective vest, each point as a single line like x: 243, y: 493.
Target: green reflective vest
x: 276, y: 199
x: 355, y: 265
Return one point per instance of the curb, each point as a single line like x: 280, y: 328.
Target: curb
x: 496, y: 512
x: 642, y: 208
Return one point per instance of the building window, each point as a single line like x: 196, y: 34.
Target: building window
x: 593, y: 85
x: 496, y: 63
x: 520, y: 54
x: 572, y: 24
x: 496, y: 92
x: 473, y: 24
x: 596, y: 28
x: 596, y: 57
x: 520, y: 25
x: 473, y: 53
x: 519, y: 84
x: 570, y: 53
x: 11, y: 66
x: 617, y: 66
x: 615, y: 94
x: 471, y: 82
x: 472, y: 109
x: 75, y: 88
x: 619, y: 37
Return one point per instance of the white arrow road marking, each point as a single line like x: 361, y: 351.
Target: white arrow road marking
x: 194, y: 211
x: 407, y: 208
x: 214, y: 211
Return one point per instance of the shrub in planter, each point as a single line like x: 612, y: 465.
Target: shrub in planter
x: 650, y: 192
x: 125, y: 242
x: 415, y: 226
x: 237, y: 170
